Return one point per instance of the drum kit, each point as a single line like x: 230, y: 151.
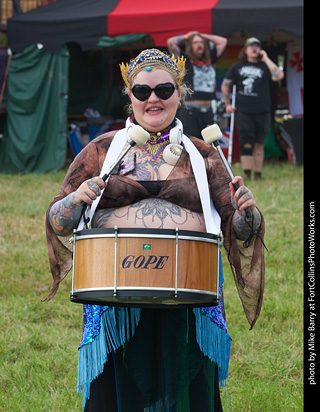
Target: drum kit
x: 155, y: 268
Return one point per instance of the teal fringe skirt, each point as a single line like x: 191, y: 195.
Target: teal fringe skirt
x: 161, y: 368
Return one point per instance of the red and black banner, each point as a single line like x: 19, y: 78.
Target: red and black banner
x: 86, y: 21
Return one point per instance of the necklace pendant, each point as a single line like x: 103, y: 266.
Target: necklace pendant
x: 156, y: 145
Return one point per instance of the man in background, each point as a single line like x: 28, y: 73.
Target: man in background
x: 252, y: 76
x: 201, y: 52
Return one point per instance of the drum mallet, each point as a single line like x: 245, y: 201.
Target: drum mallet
x: 137, y: 135
x: 211, y: 135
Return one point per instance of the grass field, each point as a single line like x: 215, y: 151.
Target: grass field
x: 39, y: 341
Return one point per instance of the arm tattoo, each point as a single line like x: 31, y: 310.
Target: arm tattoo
x: 225, y: 88
x: 275, y: 72
x: 226, y: 82
x: 173, y: 46
x: 176, y: 50
x: 64, y: 216
x: 241, y: 227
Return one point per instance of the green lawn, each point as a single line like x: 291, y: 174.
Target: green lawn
x: 38, y: 348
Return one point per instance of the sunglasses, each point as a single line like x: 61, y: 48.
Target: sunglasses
x: 164, y: 91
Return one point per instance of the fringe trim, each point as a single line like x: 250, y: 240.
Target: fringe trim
x: 117, y: 327
x: 214, y: 342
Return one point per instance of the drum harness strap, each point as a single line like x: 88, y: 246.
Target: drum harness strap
x: 211, y: 216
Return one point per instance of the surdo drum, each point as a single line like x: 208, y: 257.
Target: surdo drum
x: 145, y: 267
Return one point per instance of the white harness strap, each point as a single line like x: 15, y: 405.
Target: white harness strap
x: 116, y: 146
x: 211, y: 216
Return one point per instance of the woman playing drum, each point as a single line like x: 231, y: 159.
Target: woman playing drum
x: 133, y: 359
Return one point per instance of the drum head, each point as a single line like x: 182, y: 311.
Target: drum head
x: 146, y: 299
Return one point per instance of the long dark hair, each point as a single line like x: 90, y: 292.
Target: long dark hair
x: 206, y: 54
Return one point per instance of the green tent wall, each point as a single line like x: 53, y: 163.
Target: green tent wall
x: 35, y: 132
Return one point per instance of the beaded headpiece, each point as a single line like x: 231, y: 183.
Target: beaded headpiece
x: 153, y: 58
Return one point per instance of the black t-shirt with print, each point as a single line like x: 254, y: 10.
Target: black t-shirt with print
x: 201, y: 78
x: 253, y: 86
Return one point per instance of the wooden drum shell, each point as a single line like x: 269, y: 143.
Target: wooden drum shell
x: 145, y: 268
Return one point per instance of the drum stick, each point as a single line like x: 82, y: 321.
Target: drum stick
x: 211, y: 135
x: 137, y: 135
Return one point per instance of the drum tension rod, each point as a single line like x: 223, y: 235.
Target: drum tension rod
x: 115, y: 259
x: 177, y: 251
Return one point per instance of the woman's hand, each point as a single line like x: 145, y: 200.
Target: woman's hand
x: 243, y: 197
x: 230, y: 109
x: 89, y: 190
x: 64, y: 215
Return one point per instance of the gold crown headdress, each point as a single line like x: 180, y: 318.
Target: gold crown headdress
x: 154, y: 58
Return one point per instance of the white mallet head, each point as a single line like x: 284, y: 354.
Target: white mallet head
x: 211, y: 134
x: 138, y: 135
